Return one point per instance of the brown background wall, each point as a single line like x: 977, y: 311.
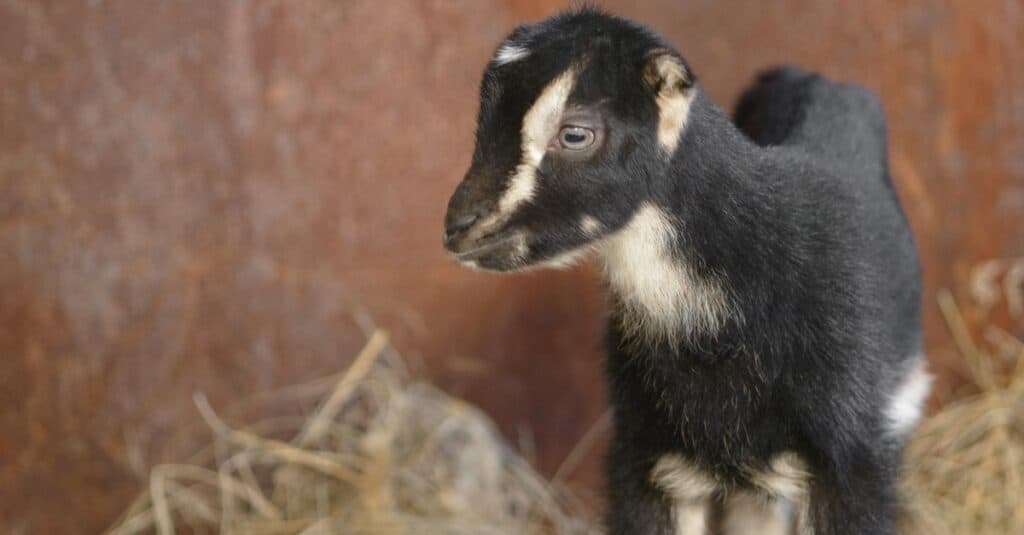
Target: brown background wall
x: 198, y: 196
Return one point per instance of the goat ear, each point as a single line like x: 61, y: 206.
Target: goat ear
x: 666, y: 74
x: 671, y: 83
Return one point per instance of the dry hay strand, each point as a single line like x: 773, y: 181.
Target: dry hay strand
x: 380, y: 454
x: 966, y: 463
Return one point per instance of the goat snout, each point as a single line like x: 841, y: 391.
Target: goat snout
x: 466, y: 209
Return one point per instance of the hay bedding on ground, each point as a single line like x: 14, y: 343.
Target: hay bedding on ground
x: 383, y: 454
x: 380, y: 454
x: 965, y: 464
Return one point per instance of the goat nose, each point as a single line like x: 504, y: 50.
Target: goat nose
x: 457, y: 225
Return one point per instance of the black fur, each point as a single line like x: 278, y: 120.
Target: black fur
x: 793, y: 213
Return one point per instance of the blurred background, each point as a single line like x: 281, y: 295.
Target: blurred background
x: 218, y: 196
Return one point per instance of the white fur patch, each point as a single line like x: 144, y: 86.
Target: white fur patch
x: 659, y: 294
x: 691, y: 519
x: 590, y: 225
x: 907, y: 403
x: 509, y: 53
x: 672, y: 113
x: 689, y: 489
x: 675, y: 93
x: 746, y: 513
x: 540, y: 124
x: 566, y: 260
x: 786, y: 477
x: 681, y: 479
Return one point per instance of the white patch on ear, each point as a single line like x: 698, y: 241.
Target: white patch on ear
x: 509, y: 53
x: 675, y: 94
x: 786, y: 477
x: 746, y: 512
x: 672, y: 113
x: 689, y: 489
x: 659, y: 295
x: 540, y: 124
x: 907, y: 403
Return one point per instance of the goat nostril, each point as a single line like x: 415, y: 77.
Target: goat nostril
x: 457, y: 225
x: 463, y: 222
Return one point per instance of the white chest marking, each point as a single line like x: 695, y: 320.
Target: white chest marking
x: 660, y: 296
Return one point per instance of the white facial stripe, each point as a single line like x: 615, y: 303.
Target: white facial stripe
x: 907, y: 403
x: 540, y: 124
x: 509, y: 53
x: 520, y: 189
x: 659, y: 294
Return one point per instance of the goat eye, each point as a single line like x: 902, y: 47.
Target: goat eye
x: 575, y: 137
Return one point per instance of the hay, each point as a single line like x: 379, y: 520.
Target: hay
x: 379, y: 454
x: 966, y: 463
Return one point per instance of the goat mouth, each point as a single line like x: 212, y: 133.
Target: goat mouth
x: 481, y: 249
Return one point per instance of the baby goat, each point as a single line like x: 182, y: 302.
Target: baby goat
x: 764, y: 342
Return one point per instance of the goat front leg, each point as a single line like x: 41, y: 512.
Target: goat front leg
x: 747, y: 512
x: 656, y: 496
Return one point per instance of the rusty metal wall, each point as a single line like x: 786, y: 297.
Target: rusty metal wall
x: 204, y: 196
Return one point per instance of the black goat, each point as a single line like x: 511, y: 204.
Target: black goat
x: 764, y: 343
